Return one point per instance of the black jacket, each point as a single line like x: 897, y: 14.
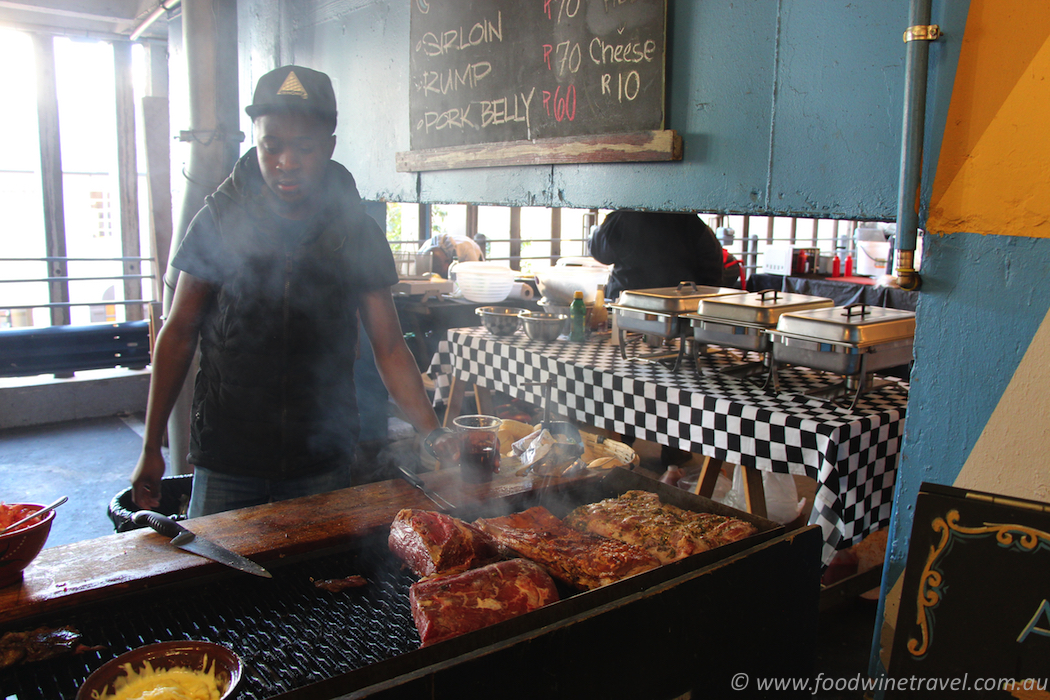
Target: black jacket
x: 274, y: 396
x: 649, y: 250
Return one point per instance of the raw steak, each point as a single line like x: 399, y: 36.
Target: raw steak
x: 580, y: 559
x: 435, y: 543
x: 667, y: 532
x: 447, y: 606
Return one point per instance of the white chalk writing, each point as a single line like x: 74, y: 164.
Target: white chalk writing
x: 483, y: 32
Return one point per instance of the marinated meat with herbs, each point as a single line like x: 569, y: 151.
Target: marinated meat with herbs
x: 667, y: 532
x: 434, y: 543
x: 448, y: 606
x: 580, y: 559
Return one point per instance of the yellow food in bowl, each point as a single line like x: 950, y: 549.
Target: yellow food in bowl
x: 165, y: 684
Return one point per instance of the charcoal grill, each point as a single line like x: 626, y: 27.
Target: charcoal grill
x: 288, y: 632
x: 299, y: 642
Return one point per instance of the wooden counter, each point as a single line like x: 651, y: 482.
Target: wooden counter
x: 71, y: 575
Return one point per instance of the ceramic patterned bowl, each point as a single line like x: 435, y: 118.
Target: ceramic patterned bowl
x: 19, y: 547
x: 111, y: 676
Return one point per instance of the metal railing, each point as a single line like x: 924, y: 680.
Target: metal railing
x: 752, y: 235
x: 62, y: 281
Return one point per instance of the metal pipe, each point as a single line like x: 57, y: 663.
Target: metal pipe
x: 78, y: 279
x: 917, y: 52
x: 164, y: 6
x: 210, y: 38
x: 70, y: 304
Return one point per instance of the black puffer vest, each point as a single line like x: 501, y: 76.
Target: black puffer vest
x: 275, y: 396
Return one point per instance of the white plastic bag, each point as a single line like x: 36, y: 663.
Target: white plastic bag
x: 782, y: 503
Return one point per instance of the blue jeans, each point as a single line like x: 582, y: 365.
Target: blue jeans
x: 213, y: 492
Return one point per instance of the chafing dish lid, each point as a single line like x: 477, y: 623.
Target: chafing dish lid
x: 856, y: 324
x: 762, y: 308
x: 681, y: 299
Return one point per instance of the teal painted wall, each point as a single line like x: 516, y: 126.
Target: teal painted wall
x: 784, y: 107
x: 983, y: 297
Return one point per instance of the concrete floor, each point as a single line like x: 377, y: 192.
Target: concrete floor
x: 91, y: 461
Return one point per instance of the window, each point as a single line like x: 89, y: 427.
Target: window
x: 542, y: 235
x: 85, y: 86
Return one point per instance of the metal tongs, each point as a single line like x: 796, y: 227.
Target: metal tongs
x: 414, y: 479
x: 571, y: 450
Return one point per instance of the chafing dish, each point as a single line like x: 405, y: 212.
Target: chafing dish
x: 741, y: 320
x: 854, y: 341
x: 657, y: 312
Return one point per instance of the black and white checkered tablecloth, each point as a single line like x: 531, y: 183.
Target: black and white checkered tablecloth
x: 851, y: 455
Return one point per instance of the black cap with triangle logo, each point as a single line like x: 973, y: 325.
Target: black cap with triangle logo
x: 294, y: 89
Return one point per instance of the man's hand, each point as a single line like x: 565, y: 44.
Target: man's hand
x: 444, y: 445
x: 145, y: 482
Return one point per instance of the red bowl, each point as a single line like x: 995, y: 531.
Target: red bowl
x: 199, y: 656
x: 20, y: 547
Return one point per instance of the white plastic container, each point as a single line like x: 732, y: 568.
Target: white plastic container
x: 559, y: 282
x: 485, y: 283
x: 872, y: 257
x: 776, y: 260
x: 873, y: 250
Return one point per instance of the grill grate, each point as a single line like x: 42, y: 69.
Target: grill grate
x: 287, y: 632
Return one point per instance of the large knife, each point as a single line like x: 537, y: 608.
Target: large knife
x: 416, y: 481
x: 184, y: 539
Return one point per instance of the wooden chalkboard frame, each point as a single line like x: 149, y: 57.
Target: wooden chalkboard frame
x: 465, y: 54
x: 639, y: 146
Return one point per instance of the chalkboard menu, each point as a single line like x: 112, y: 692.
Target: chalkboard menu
x: 975, y: 603
x: 493, y: 71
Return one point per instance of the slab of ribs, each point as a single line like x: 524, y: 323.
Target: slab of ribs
x: 580, y: 559
x: 667, y: 532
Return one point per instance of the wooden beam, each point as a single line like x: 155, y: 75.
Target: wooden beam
x: 51, y: 175
x: 156, y: 123
x: 472, y: 220
x: 127, y: 176
x: 515, y: 238
x: 555, y: 234
x: 424, y: 221
x: 636, y: 146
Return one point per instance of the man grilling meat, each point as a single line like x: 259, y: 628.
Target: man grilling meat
x: 276, y: 269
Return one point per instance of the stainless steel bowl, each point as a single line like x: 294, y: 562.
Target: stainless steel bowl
x: 500, y: 320
x: 543, y: 326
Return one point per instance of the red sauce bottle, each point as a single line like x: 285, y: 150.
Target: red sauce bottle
x: 836, y: 266
x: 849, y: 266
x: 803, y: 265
